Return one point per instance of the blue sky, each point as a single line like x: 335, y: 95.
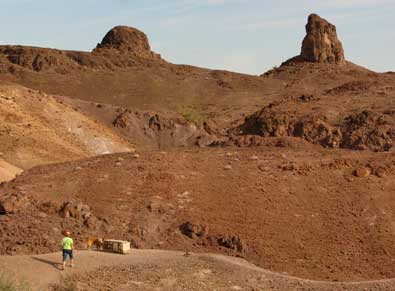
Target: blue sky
x: 249, y: 36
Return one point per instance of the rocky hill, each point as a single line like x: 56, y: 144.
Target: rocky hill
x: 123, y: 70
x: 292, y: 170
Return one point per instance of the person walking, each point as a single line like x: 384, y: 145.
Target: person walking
x: 67, y: 248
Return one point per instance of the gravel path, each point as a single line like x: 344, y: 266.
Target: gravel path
x: 164, y: 270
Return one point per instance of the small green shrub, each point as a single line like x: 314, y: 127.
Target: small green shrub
x: 67, y: 284
x: 339, y: 121
x: 194, y: 116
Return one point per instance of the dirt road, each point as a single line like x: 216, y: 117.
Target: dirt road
x: 164, y: 270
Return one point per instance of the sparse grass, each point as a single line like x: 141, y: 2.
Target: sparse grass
x: 8, y: 284
x: 339, y: 121
x: 195, y: 116
x: 66, y: 284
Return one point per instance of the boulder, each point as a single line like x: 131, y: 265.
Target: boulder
x: 362, y: 172
x: 232, y: 242
x: 193, y: 230
x: 321, y: 44
x: 75, y: 210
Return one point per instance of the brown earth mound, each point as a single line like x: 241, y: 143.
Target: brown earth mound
x: 37, y: 128
x: 289, y: 210
x: 151, y: 129
x: 369, y: 129
x: 160, y: 130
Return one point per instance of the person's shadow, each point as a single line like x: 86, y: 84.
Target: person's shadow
x: 56, y: 265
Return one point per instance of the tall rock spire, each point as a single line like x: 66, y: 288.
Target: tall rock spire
x: 321, y: 44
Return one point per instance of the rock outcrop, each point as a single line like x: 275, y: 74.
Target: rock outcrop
x: 369, y: 130
x: 37, y: 59
x: 80, y: 212
x: 124, y: 37
x: 365, y: 130
x: 321, y: 44
x: 161, y: 130
x: 12, y: 203
x: 128, y: 40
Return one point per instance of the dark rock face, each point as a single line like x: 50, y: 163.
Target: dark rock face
x: 365, y: 130
x: 194, y: 230
x: 38, y: 59
x: 127, y: 40
x: 233, y: 243
x: 321, y: 44
x: 273, y: 123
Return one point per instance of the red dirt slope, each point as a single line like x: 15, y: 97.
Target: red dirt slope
x: 288, y: 209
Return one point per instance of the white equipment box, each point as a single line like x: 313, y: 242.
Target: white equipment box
x: 116, y: 246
